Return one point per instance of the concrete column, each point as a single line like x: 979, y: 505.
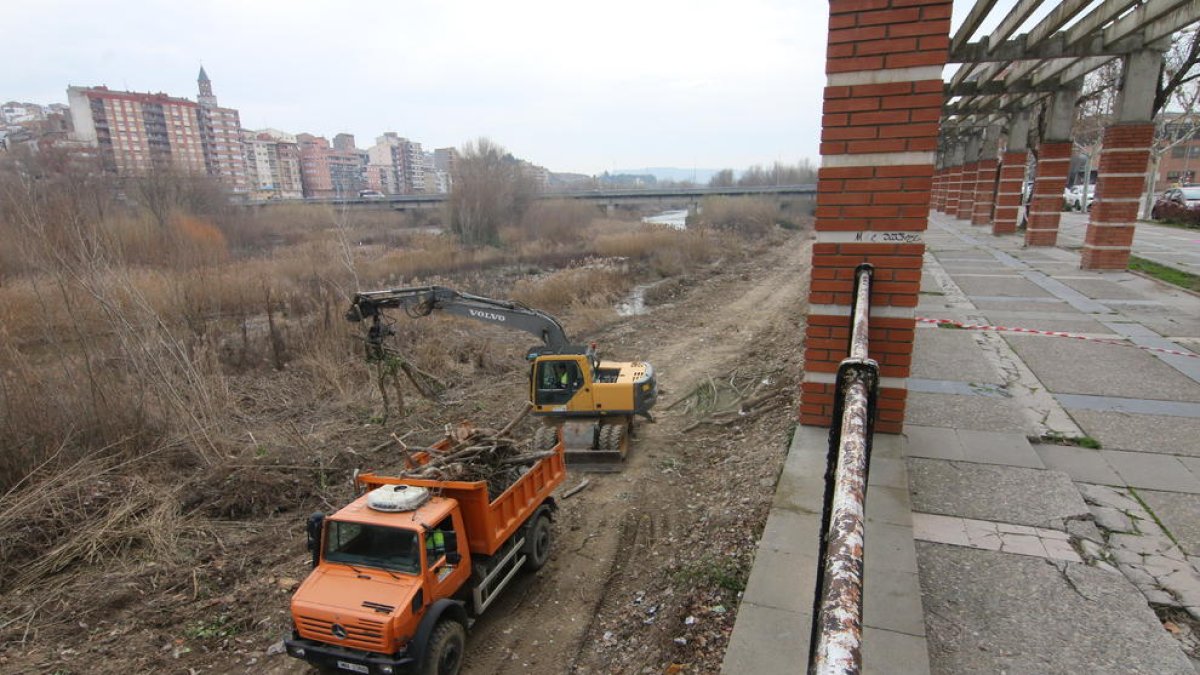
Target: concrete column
x: 1053, y: 165
x: 1012, y: 176
x: 938, y: 194
x: 935, y: 187
x: 985, y: 178
x: 970, y: 169
x: 883, y: 102
x: 954, y: 179
x: 1123, y: 161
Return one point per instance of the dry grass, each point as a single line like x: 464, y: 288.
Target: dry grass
x: 666, y: 250
x: 752, y: 216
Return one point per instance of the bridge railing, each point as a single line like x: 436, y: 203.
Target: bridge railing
x: 836, y: 641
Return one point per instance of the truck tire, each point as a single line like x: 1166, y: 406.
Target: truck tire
x: 443, y: 655
x: 538, y: 542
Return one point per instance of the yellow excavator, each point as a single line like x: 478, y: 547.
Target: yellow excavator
x: 592, y: 402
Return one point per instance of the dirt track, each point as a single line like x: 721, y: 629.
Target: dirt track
x: 681, y: 496
x: 647, y: 564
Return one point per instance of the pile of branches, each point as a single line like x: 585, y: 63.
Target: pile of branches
x: 478, y: 454
x: 731, y: 398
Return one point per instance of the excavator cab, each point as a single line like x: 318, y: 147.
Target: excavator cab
x: 557, y: 380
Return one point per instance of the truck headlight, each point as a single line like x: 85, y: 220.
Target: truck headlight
x: 386, y: 670
x: 298, y: 652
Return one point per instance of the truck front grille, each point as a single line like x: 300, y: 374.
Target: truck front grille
x: 363, y: 634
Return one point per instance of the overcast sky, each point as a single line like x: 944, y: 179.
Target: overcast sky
x: 574, y: 87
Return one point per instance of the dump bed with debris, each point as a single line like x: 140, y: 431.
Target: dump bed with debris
x: 496, y: 485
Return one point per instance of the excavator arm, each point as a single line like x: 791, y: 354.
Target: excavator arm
x: 424, y: 300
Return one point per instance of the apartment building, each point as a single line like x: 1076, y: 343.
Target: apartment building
x: 138, y: 132
x: 399, y: 165
x: 135, y: 133
x: 273, y: 164
x: 331, y: 171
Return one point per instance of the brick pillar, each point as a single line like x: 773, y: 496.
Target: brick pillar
x: 1118, y: 193
x: 1008, y: 193
x: 1045, y: 206
x: 883, y: 101
x: 953, y: 189
x: 966, y: 196
x: 985, y: 192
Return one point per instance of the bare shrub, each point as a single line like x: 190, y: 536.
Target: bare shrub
x: 558, y: 221
x: 490, y: 190
x: 667, y: 250
x: 574, y: 288
x: 94, y: 512
x: 746, y: 215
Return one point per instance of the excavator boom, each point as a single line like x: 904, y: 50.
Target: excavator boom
x: 422, y: 300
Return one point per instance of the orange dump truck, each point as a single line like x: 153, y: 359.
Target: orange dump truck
x: 400, y: 571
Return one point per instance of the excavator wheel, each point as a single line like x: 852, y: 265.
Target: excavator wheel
x: 596, y: 446
x: 545, y: 438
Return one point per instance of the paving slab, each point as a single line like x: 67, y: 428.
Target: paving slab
x: 1104, y: 288
x: 975, y: 412
x: 991, y: 447
x: 1023, y: 496
x: 1077, y: 367
x: 951, y: 355
x: 989, y: 612
x: 1152, y: 471
x: 1047, y: 321
x: 783, y: 580
x: 933, y: 442
x: 1142, y: 433
x: 886, y: 651
x: 1083, y: 465
x: 767, y: 640
x: 892, y: 601
x: 1179, y: 513
x: 1047, y: 305
x: 999, y: 286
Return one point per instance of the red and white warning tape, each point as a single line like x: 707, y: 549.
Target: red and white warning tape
x: 941, y: 323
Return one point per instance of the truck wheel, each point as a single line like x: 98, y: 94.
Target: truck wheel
x: 537, y: 543
x: 444, y: 652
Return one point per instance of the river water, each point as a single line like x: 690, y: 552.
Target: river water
x: 675, y: 219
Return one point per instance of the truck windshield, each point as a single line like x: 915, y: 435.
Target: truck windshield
x: 387, y: 548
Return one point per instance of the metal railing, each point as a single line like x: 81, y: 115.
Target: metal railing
x: 836, y: 641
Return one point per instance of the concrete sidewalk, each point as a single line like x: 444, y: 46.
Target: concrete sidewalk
x: 1033, y: 553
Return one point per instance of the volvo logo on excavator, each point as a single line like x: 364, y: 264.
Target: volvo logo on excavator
x: 487, y: 315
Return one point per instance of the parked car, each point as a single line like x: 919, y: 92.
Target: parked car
x: 1186, y: 197
x: 370, y: 194
x: 1073, y: 197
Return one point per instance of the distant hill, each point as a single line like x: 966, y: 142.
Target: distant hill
x: 700, y: 176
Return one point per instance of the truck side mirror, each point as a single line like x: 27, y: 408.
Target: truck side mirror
x: 452, y: 555
x: 316, y: 523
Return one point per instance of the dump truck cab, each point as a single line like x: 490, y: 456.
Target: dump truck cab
x: 398, y: 572
x: 376, y: 577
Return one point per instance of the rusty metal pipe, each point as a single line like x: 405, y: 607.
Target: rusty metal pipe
x: 837, y: 643
x: 860, y: 319
x: 839, y: 623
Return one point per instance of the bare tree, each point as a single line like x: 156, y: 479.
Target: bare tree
x: 1176, y: 105
x: 722, y: 178
x: 489, y: 190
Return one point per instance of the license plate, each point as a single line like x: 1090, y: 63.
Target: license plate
x: 353, y: 667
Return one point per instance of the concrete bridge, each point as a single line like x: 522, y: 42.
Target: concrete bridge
x: 609, y: 199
